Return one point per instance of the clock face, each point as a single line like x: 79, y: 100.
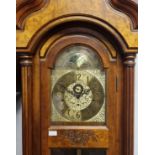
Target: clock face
x: 78, y: 95
x: 78, y: 86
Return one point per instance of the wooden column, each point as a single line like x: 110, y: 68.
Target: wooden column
x: 128, y: 109
x: 26, y: 72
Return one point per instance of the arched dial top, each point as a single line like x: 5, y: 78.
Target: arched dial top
x: 78, y: 57
x: 78, y: 86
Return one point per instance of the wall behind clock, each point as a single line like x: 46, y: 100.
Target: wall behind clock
x: 18, y: 124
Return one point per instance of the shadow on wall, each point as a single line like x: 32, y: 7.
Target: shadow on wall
x: 18, y: 124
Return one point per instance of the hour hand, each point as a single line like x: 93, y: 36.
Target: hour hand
x: 86, y: 91
x: 69, y: 91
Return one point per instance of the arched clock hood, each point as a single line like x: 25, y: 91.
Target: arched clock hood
x: 46, y: 28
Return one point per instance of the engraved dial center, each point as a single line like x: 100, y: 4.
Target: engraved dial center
x: 78, y: 96
x: 78, y: 88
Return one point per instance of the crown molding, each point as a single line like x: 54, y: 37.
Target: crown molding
x: 25, y: 8
x: 130, y: 8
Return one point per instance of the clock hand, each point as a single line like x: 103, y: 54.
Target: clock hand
x: 78, y: 89
x: 71, y: 92
x: 86, y: 91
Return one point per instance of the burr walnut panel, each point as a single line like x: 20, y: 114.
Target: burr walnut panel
x: 57, y: 11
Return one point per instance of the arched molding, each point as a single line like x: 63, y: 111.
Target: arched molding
x: 102, y: 11
x: 100, y: 25
x: 55, y: 49
x: 26, y: 8
x: 128, y: 7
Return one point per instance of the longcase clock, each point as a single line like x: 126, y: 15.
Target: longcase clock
x: 77, y: 65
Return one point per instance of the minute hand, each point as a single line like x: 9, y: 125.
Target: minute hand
x: 86, y: 91
x: 71, y: 92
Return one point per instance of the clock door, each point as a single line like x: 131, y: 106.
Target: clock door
x: 80, y: 101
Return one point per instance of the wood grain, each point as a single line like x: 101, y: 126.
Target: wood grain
x: 58, y: 12
x: 128, y: 121
x: 44, y: 28
x: 80, y: 138
x: 107, y: 139
x: 129, y: 8
x: 26, y: 71
x: 25, y: 8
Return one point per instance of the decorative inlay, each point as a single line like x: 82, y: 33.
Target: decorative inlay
x: 79, y: 137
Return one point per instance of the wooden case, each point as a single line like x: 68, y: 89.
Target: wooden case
x: 44, y: 28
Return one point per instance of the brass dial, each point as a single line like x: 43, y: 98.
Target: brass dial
x: 78, y: 95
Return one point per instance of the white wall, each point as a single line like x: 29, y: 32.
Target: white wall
x: 18, y: 125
